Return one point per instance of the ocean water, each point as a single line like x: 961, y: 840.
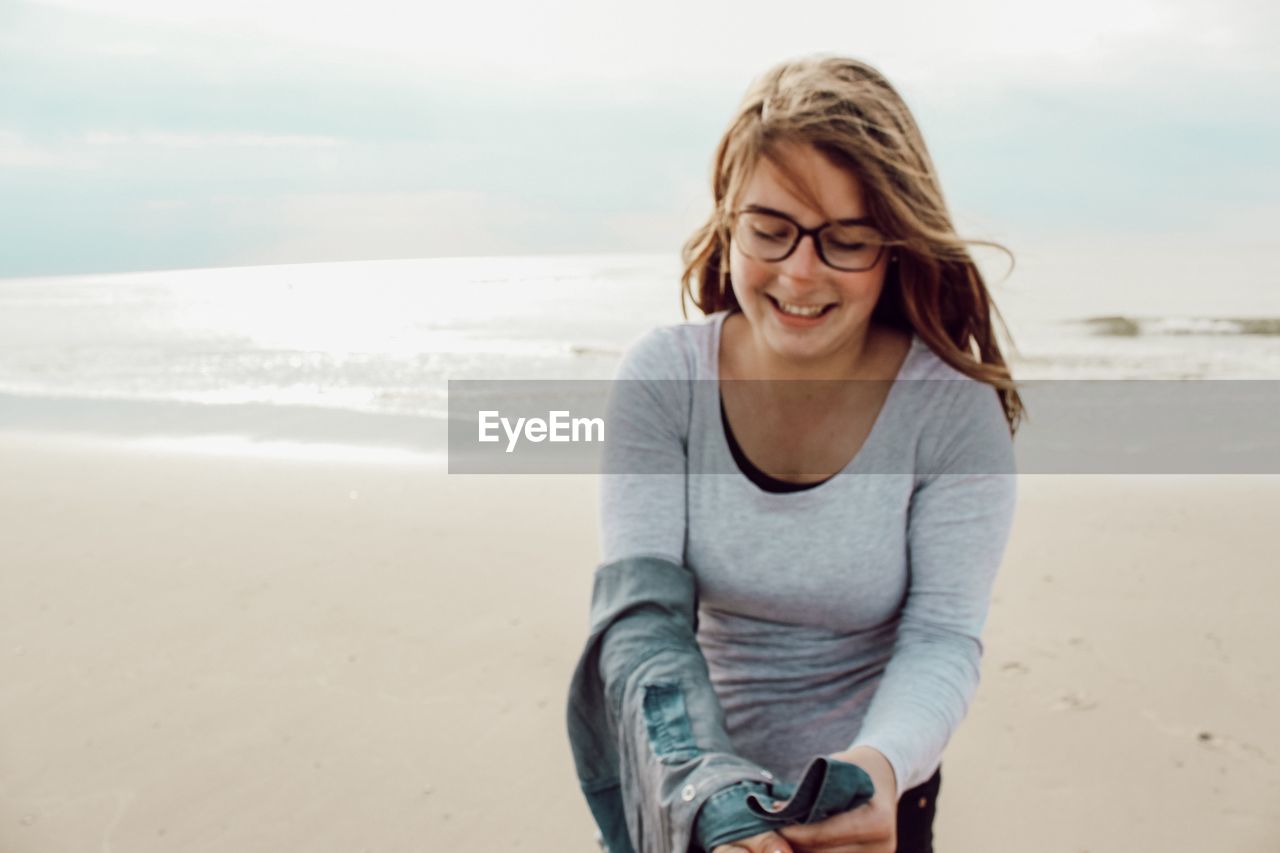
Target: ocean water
x: 359, y: 354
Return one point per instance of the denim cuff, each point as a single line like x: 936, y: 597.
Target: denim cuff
x: 827, y: 787
x: 725, y: 816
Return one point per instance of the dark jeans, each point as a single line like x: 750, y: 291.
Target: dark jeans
x: 916, y: 808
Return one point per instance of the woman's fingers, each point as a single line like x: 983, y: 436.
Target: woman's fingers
x: 765, y: 842
x: 863, y: 830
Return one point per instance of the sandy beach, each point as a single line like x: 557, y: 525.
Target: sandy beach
x: 215, y: 653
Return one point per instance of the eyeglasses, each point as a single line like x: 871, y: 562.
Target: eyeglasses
x: 770, y: 235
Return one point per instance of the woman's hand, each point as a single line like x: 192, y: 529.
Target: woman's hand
x: 765, y: 842
x: 870, y: 828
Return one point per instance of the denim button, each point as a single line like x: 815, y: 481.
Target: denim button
x: 688, y: 793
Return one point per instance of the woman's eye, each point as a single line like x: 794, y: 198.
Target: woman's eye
x: 847, y: 247
x: 769, y: 235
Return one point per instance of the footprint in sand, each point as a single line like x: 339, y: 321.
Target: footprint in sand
x: 1213, y: 741
x: 1072, y: 701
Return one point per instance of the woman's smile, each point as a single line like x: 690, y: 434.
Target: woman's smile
x: 800, y: 316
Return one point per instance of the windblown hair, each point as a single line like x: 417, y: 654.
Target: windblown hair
x: 850, y: 113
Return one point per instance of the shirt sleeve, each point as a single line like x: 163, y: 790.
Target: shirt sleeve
x: 960, y: 516
x: 642, y: 497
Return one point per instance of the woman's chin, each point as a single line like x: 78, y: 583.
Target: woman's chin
x: 799, y: 346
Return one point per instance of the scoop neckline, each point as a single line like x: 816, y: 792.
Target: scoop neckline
x: 848, y: 466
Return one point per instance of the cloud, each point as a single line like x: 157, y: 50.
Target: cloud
x: 576, y: 42
x: 161, y: 139
x: 19, y: 152
x: 386, y: 129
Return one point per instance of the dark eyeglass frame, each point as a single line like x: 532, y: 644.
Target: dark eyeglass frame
x: 801, y: 233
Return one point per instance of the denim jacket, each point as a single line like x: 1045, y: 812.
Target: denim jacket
x: 648, y: 734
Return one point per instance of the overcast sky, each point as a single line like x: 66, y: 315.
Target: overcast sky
x: 144, y: 134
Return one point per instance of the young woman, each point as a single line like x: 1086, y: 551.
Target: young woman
x: 844, y: 535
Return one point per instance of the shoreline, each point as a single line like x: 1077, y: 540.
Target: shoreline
x: 106, y: 419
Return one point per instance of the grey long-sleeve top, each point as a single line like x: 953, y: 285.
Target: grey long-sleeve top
x: 846, y: 614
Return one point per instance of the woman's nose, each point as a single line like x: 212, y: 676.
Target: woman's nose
x: 803, y: 263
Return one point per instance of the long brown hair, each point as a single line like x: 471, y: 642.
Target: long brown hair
x: 850, y: 113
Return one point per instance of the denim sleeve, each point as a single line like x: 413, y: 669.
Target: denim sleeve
x: 674, y: 752
x: 649, y: 738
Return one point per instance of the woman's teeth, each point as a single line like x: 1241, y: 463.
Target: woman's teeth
x: 800, y: 310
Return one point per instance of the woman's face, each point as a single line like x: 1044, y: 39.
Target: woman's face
x: 803, y: 279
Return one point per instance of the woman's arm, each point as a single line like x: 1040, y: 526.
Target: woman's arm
x: 674, y: 771
x: 960, y: 517
x: 642, y: 490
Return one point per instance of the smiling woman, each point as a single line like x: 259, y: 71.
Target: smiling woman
x: 835, y: 503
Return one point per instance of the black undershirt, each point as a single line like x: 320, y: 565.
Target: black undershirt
x: 760, y: 478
